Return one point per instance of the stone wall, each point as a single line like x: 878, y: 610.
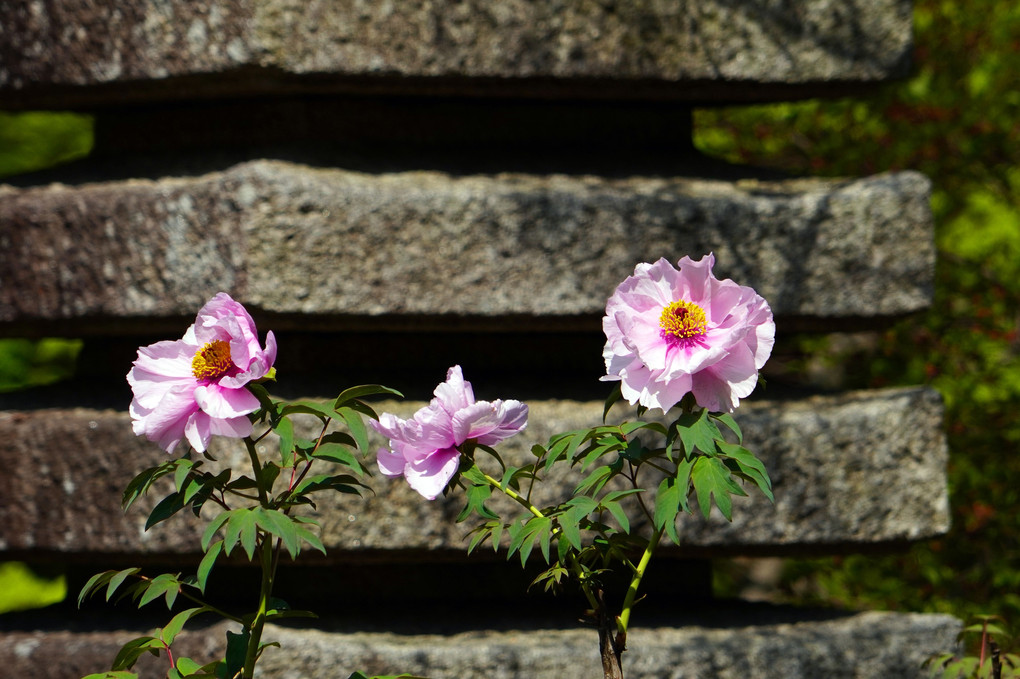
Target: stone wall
x: 397, y: 187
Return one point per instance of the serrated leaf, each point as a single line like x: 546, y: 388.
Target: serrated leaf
x: 712, y: 479
x: 697, y: 432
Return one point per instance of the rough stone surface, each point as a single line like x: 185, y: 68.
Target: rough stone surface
x: 689, y: 50
x: 848, y: 471
x: 289, y: 239
x: 861, y: 646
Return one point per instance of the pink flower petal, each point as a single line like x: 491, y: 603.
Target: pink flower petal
x: 719, y: 367
x: 218, y: 402
x: 390, y: 463
x: 455, y: 393
x: 430, y: 475
x: 170, y: 403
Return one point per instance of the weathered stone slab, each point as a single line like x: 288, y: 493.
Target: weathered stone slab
x: 82, y: 54
x: 861, y: 469
x: 859, y: 646
x: 542, y: 250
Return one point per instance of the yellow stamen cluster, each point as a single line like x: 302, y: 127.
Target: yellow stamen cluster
x: 683, y: 321
x: 212, y: 360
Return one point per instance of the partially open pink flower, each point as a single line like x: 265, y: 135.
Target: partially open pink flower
x: 425, y: 448
x: 672, y: 332
x: 194, y: 388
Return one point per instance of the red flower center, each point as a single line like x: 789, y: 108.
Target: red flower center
x: 683, y: 324
x: 212, y: 361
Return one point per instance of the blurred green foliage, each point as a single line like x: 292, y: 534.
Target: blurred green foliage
x: 29, y: 142
x: 957, y: 120
x: 30, y: 363
x: 22, y: 588
x: 37, y: 140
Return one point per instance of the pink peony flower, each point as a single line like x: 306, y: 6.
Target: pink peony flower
x: 672, y: 332
x: 194, y: 388
x: 425, y: 448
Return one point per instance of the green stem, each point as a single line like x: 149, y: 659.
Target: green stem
x: 635, y: 581
x: 268, y: 572
x: 514, y: 495
x: 574, y: 566
x: 255, y: 638
x: 257, y: 469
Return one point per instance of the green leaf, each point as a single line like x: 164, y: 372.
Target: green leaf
x: 140, y: 484
x: 176, y: 624
x: 118, y: 579
x: 595, y: 481
x: 133, y: 650
x: 112, y: 675
x: 285, y: 430
x: 748, y: 466
x: 476, y: 494
x: 339, y: 453
x: 667, y: 506
x: 282, y: 526
x: 166, y: 508
x: 214, y: 526
x: 237, y: 648
x: 308, y: 536
x: 601, y: 447
x: 619, y: 514
x: 356, y: 426
x: 240, y: 527
x: 206, y: 565
x: 188, y: 667
x: 348, y: 395
x: 94, y: 583
x: 165, y: 585
x: 343, y: 483
x: 728, y: 420
x: 712, y: 478
x: 697, y: 432
x: 181, y: 473
x: 614, y: 396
